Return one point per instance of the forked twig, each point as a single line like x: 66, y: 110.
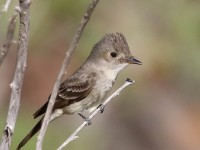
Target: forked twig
x: 17, y: 82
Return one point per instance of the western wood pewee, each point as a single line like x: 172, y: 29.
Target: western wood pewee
x: 92, y: 82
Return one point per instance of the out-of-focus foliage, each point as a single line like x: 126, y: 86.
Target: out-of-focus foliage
x: 161, y: 111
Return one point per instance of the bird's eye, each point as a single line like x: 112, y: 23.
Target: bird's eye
x: 113, y: 54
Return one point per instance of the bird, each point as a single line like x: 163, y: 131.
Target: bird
x: 89, y: 85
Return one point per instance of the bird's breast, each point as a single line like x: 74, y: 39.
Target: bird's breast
x: 103, y: 86
x: 99, y: 93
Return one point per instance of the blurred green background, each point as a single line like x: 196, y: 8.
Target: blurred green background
x: 161, y: 111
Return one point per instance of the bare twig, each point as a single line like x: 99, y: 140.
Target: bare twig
x: 9, y: 37
x: 74, y: 135
x: 17, y: 82
x: 5, y: 7
x: 69, y: 53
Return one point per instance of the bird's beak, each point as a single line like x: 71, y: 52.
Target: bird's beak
x: 132, y: 60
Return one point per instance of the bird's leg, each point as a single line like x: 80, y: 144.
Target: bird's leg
x: 85, y: 118
x: 101, y: 108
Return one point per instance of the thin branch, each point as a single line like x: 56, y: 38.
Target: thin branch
x: 5, y: 7
x: 116, y: 93
x: 17, y: 82
x: 69, y: 53
x: 9, y: 37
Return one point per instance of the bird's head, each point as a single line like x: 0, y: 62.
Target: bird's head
x: 113, y: 51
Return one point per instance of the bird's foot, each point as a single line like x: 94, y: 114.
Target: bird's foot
x: 86, y: 119
x: 101, y: 108
x: 129, y: 80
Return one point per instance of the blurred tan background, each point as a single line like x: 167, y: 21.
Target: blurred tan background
x: 161, y: 111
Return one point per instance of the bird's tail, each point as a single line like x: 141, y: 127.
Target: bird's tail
x: 30, y: 134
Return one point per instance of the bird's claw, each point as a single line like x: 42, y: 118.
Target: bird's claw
x: 129, y: 80
x: 101, y: 108
x: 89, y: 122
x: 86, y: 119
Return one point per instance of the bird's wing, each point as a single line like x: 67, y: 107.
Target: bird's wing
x: 74, y: 90
x: 71, y: 91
